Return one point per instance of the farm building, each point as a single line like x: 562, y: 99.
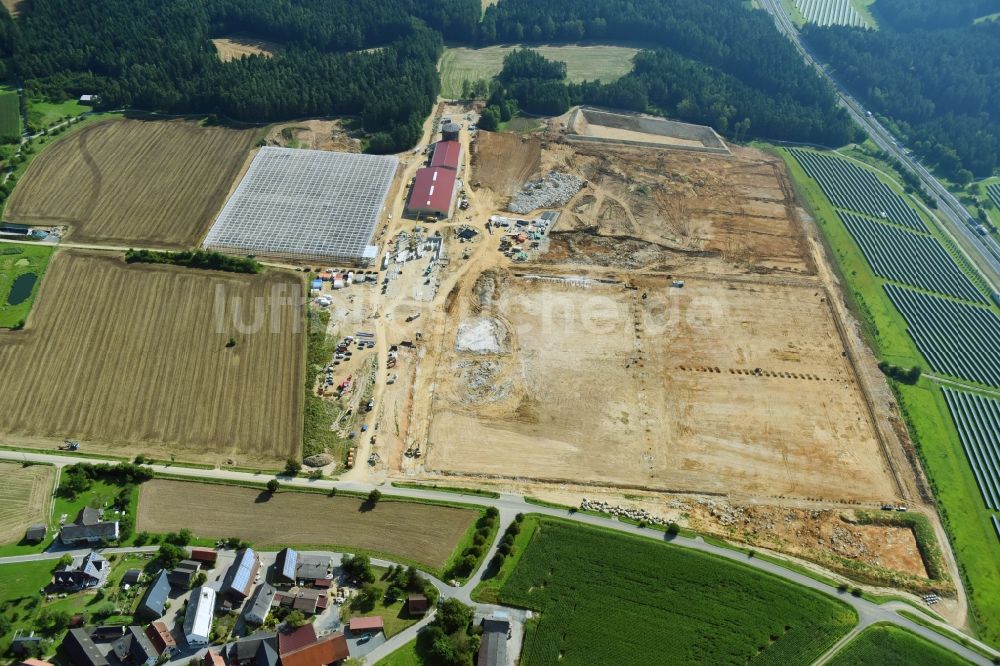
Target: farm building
x: 433, y: 192
x: 329, y: 650
x: 306, y: 204
x: 259, y: 606
x: 366, y: 624
x: 198, y: 617
x: 285, y: 566
x: 256, y: 650
x: 447, y: 155
x: 239, y: 579
x: 183, y: 574
x: 135, y: 648
x: 154, y: 602
x: 204, y: 555
x: 312, y: 567
x: 417, y: 604
x: 89, y: 527
x: 80, y: 650
x: 161, y: 638
x: 36, y: 533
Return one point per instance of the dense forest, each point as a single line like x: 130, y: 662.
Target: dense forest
x: 941, y: 86
x: 712, y: 61
x: 156, y: 55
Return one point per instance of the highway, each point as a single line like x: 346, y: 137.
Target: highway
x: 509, y: 505
x: 983, y: 251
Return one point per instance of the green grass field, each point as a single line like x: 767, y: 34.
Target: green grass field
x: 606, y: 63
x: 17, y: 289
x: 10, y: 116
x: 43, y: 113
x: 929, y: 422
x: 404, y: 656
x: 887, y: 645
x: 605, y: 597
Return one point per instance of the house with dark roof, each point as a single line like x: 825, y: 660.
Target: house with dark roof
x: 492, y: 649
x: 307, y: 601
x: 79, y: 649
x: 312, y: 567
x: 417, y: 604
x: 135, y: 648
x: 183, y: 574
x: 87, y: 572
x: 132, y: 577
x: 239, y: 579
x: 163, y: 641
x: 259, y: 605
x: 493, y: 644
x: 285, y: 566
x: 36, y: 533
x: 256, y: 650
x: 325, y: 652
x: 89, y: 527
x: 154, y: 601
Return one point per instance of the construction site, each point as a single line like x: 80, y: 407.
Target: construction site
x: 654, y: 327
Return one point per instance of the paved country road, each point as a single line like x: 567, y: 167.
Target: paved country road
x: 509, y: 505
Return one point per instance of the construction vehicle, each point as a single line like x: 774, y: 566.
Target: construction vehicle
x: 412, y: 317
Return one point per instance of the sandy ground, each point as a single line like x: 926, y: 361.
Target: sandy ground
x: 585, y: 374
x: 314, y: 134
x: 504, y: 162
x: 234, y: 48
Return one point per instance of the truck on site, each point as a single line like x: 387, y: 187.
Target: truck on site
x: 413, y: 316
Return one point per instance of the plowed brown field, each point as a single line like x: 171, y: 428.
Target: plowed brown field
x: 133, y: 182
x: 419, y: 532
x: 134, y: 359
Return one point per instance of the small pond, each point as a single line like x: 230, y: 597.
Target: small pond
x: 21, y: 289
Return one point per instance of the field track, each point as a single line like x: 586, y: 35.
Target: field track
x: 133, y: 182
x: 133, y: 359
x: 419, y: 532
x: 24, y: 498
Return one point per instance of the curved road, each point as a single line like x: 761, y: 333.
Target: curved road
x: 509, y: 505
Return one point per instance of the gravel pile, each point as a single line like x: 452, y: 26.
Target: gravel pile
x: 550, y: 192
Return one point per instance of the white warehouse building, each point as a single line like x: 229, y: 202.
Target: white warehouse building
x: 198, y: 618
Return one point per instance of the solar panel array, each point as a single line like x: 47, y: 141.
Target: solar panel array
x: 305, y: 204
x: 242, y: 570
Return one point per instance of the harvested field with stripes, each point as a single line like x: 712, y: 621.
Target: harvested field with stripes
x: 24, y: 498
x: 133, y: 182
x: 134, y: 359
x: 422, y: 533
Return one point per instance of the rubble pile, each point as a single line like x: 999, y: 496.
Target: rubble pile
x: 621, y: 511
x: 550, y: 192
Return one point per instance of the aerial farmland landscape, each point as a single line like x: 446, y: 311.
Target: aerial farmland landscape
x: 501, y: 333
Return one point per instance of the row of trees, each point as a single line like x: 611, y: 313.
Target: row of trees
x: 939, y: 86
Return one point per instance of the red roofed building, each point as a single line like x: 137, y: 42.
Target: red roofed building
x: 433, y: 191
x: 447, y: 154
x: 361, y: 624
x: 204, y: 555
x: 330, y: 650
x: 296, y: 639
x: 214, y: 659
x: 161, y: 638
